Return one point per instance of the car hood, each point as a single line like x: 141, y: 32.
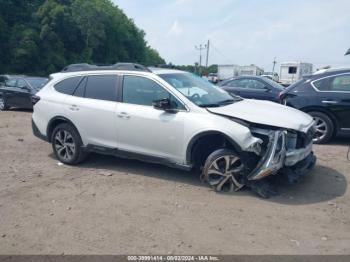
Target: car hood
x: 266, y: 113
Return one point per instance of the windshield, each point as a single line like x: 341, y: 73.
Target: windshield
x: 199, y: 91
x: 37, y: 83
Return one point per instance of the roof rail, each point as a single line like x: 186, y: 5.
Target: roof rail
x: 117, y: 66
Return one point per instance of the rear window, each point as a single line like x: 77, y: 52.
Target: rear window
x: 37, y: 83
x: 296, y: 84
x: 68, y: 86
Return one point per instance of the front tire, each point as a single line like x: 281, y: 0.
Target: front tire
x: 224, y: 171
x: 324, y: 127
x: 67, y: 144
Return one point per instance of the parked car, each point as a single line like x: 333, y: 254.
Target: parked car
x: 213, y: 77
x: 17, y: 91
x: 325, y: 95
x: 174, y: 118
x: 271, y: 75
x: 4, y: 78
x: 255, y: 87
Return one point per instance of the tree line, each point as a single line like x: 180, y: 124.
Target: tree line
x: 42, y: 36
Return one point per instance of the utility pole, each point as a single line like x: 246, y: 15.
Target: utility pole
x: 274, y: 63
x: 206, y: 62
x: 200, y: 48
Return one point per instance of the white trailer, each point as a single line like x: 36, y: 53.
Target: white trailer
x: 291, y: 72
x: 250, y: 70
x: 227, y: 71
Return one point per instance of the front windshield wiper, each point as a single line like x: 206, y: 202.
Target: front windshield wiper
x: 209, y: 105
x: 220, y: 103
x: 227, y: 101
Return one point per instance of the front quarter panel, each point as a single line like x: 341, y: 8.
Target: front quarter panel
x: 209, y: 122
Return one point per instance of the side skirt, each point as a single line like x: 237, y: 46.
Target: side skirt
x: 136, y: 156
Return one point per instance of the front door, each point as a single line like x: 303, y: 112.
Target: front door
x: 143, y: 129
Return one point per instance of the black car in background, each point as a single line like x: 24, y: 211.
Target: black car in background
x: 325, y: 95
x: 4, y: 78
x: 17, y: 91
x: 254, y: 87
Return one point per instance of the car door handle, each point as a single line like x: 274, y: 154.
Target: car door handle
x: 74, y: 108
x: 123, y: 115
x: 330, y: 102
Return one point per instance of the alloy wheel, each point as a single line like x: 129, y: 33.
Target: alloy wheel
x: 64, y: 145
x: 224, y: 172
x: 321, y: 129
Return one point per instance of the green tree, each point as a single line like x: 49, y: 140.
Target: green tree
x: 43, y: 36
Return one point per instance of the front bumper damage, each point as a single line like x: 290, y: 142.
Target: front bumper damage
x: 279, y: 157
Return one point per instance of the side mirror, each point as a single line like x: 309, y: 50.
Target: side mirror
x: 162, y: 104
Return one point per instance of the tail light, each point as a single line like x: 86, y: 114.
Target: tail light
x: 35, y: 99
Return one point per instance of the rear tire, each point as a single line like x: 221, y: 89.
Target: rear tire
x: 324, y: 127
x: 67, y: 144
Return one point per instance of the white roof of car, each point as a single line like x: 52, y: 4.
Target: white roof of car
x: 325, y: 70
x: 155, y: 70
x: 159, y: 70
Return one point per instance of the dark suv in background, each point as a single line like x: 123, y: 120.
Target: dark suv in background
x: 325, y: 95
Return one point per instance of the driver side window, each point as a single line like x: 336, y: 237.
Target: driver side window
x: 143, y: 91
x: 247, y: 83
x: 21, y: 83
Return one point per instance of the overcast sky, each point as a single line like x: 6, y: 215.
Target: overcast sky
x: 246, y: 31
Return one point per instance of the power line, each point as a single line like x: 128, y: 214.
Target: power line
x: 220, y: 53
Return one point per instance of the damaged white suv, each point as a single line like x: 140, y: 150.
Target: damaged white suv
x: 174, y: 118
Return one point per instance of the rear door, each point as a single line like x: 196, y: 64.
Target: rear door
x: 24, y: 94
x: 334, y: 93
x: 12, y: 93
x: 92, y: 109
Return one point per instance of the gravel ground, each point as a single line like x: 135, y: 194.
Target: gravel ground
x: 115, y: 206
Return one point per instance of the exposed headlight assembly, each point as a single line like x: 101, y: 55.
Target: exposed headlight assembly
x: 274, y: 157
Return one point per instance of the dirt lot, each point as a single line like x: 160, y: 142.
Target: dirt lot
x: 114, y: 206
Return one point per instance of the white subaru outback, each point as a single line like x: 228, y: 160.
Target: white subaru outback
x: 174, y: 118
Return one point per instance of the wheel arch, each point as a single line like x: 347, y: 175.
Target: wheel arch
x: 55, y: 122
x: 200, y: 137
x: 324, y: 111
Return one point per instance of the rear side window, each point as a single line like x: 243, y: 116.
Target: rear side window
x: 340, y: 83
x: 102, y: 87
x: 68, y: 86
x: 80, y: 90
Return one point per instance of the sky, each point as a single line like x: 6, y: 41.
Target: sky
x: 246, y: 32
